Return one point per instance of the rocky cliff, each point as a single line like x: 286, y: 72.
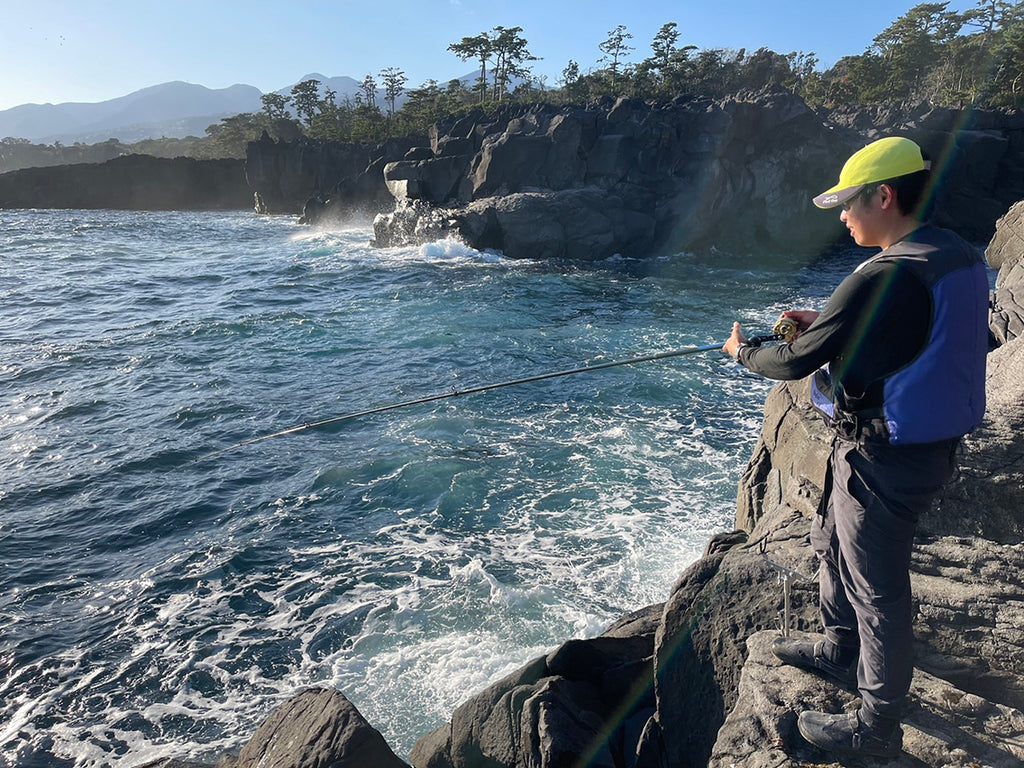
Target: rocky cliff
x: 692, y: 682
x: 640, y: 178
x: 334, y: 180
x: 131, y: 182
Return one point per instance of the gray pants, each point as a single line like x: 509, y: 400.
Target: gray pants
x: 863, y: 536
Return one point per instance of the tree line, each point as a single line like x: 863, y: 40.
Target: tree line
x: 950, y: 58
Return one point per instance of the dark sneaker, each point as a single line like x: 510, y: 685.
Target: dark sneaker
x: 846, y: 735
x: 809, y: 654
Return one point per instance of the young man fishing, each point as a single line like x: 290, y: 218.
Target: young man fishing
x: 898, y: 364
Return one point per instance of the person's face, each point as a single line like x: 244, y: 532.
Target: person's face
x: 861, y: 216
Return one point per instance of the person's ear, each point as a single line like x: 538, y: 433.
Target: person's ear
x: 887, y: 197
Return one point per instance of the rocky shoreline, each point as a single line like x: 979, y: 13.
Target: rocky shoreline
x: 692, y: 682
x: 629, y: 177
x: 131, y: 183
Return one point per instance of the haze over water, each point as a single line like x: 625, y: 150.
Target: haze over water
x: 154, y: 605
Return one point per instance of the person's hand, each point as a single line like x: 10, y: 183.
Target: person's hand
x: 732, y: 346
x: 803, y: 317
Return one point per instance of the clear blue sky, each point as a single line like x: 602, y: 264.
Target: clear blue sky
x: 77, y: 50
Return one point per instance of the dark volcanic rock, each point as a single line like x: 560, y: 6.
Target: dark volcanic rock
x: 132, y: 182
x: 582, y: 704
x: 317, y: 728
x: 944, y: 726
x: 631, y: 179
x: 348, y: 177
x: 736, y: 174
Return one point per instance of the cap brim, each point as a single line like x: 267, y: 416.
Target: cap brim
x: 833, y: 197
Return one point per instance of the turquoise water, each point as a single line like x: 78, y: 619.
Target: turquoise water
x: 156, y: 606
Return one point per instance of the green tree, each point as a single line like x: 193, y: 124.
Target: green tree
x: 510, y: 53
x: 275, y: 106
x: 305, y: 97
x: 670, y: 62
x: 570, y: 82
x: 481, y: 48
x: 1007, y: 82
x: 615, y: 48
x: 910, y: 47
x: 991, y: 16
x: 394, y: 84
x: 231, y: 135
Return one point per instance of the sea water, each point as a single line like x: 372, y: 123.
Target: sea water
x: 157, y: 602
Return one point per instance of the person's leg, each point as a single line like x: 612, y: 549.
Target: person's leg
x: 883, y: 493
x: 838, y: 616
x: 874, y: 566
x: 836, y: 656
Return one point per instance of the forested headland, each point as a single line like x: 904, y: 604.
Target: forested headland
x: 947, y: 58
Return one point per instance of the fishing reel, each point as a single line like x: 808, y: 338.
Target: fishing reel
x: 785, y: 331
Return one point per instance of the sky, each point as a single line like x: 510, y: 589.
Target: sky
x: 54, y: 51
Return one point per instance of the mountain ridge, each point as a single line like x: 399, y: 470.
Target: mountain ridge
x: 174, y: 109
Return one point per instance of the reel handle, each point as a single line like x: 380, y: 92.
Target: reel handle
x: 785, y: 331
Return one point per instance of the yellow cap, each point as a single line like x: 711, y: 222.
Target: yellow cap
x: 879, y: 161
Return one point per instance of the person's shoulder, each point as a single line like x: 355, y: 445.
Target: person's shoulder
x: 929, y: 238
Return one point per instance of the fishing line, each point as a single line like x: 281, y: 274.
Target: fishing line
x: 785, y: 330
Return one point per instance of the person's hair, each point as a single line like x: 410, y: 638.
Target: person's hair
x: 913, y: 191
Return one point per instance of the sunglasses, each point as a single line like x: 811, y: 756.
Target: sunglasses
x: 867, y: 191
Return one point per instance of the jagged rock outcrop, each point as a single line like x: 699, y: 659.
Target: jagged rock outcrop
x: 584, y: 703
x: 944, y: 726
x: 131, y: 182
x: 634, y: 179
x: 1006, y: 253
x: 340, y: 181
x: 638, y: 178
x: 317, y: 728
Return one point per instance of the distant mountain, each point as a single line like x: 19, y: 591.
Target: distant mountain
x: 343, y: 86
x: 172, y: 109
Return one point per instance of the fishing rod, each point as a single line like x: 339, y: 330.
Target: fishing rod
x: 784, y: 330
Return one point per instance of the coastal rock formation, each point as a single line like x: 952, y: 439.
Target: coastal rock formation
x: 945, y: 726
x: 339, y: 181
x: 315, y: 728
x: 630, y: 178
x: 318, y: 727
x: 1006, y: 250
x: 131, y: 182
x: 637, y: 179
x: 584, y: 703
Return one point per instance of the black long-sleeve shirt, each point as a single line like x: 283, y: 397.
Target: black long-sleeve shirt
x: 876, y: 322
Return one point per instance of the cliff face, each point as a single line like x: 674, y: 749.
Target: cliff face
x: 632, y: 178
x: 693, y: 683
x: 285, y: 176
x: 131, y: 182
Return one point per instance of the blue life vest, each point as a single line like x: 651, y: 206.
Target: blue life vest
x: 941, y: 394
